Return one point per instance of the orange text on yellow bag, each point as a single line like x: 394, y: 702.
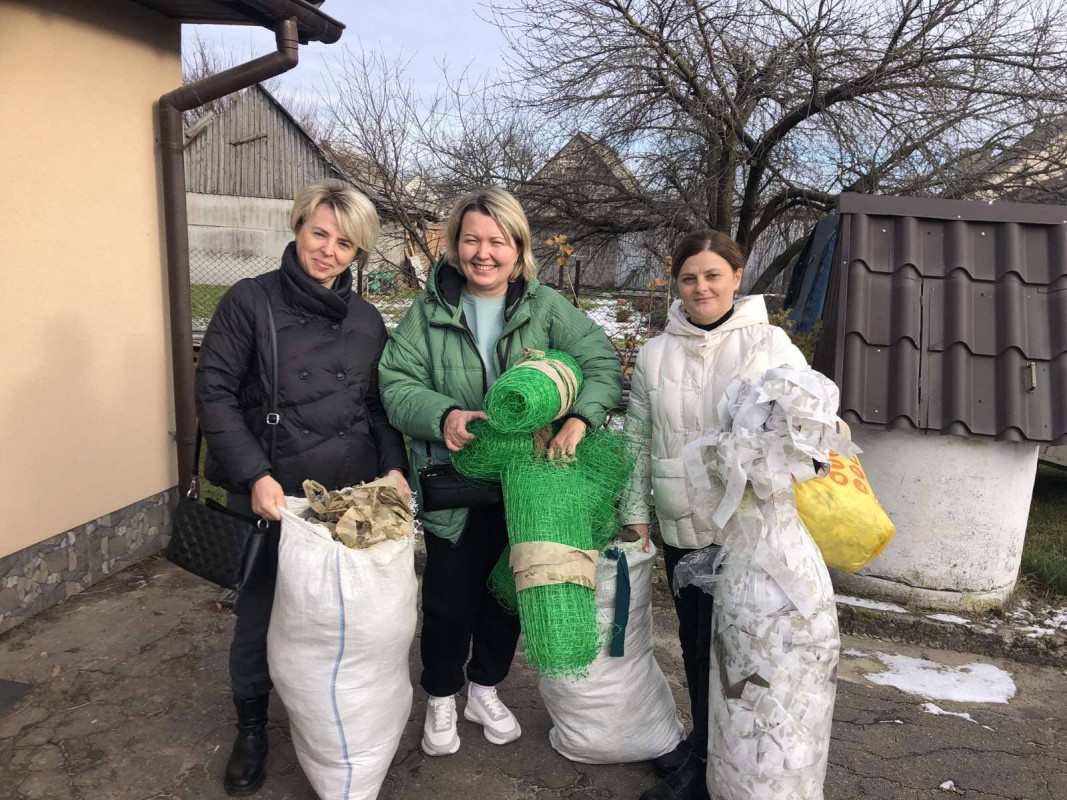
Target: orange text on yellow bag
x: 843, y: 516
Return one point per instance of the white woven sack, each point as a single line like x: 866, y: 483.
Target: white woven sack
x: 340, y: 632
x: 624, y: 711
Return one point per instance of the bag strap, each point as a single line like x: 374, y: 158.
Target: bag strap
x: 273, y: 417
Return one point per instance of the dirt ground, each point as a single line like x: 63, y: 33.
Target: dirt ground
x: 127, y: 698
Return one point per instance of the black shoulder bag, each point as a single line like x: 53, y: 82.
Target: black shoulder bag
x: 210, y: 540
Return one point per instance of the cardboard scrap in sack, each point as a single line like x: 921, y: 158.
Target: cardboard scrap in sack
x: 361, y: 516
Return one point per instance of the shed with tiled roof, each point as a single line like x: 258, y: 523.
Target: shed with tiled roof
x: 945, y: 326
x: 950, y: 316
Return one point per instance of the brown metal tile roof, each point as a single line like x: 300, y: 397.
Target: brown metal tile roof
x: 950, y: 316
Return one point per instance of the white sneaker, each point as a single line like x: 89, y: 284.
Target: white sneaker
x: 440, y: 737
x: 498, y: 723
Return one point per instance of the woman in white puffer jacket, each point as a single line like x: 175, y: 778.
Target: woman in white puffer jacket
x: 678, y: 381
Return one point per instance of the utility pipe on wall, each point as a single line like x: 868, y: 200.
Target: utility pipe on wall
x: 172, y: 147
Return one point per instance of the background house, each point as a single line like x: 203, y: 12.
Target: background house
x: 243, y: 168
x: 588, y: 178
x: 87, y: 408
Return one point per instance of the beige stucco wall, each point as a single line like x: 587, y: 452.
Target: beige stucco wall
x: 85, y: 399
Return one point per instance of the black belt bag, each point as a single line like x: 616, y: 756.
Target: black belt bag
x: 442, y: 489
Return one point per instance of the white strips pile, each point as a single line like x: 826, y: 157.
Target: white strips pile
x: 775, y: 642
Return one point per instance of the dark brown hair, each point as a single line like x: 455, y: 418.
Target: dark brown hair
x: 706, y: 239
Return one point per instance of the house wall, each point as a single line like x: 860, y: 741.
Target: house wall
x: 599, y: 261
x: 86, y: 404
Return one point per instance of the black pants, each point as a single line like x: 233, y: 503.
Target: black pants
x: 249, y: 676
x: 458, y: 609
x: 694, y: 631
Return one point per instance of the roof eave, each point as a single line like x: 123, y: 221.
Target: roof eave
x: 312, y: 24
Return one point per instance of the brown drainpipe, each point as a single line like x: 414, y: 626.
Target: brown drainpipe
x: 176, y: 222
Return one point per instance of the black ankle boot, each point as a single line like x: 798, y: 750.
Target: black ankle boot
x: 688, y: 782
x: 247, y: 768
x: 671, y: 761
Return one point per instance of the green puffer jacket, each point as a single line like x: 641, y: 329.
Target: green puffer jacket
x: 431, y: 366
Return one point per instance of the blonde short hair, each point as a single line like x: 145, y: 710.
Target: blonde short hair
x: 356, y: 216
x: 507, y: 213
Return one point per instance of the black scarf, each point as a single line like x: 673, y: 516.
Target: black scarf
x: 306, y: 294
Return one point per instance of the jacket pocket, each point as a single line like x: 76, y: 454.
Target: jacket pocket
x: 670, y: 493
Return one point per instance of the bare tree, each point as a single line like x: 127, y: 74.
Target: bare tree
x: 415, y: 155
x: 743, y: 116
x: 373, y: 121
x: 201, y: 59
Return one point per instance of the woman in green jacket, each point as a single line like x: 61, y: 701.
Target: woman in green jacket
x: 482, y: 306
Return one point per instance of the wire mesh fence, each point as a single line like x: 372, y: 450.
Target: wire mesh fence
x: 628, y: 318
x: 213, y: 272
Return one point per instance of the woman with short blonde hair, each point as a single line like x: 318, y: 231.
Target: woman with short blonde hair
x: 482, y: 306
x: 330, y: 426
x: 356, y: 217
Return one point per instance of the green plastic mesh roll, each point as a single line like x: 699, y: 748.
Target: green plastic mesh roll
x: 524, y: 400
x: 550, y: 502
x: 485, y: 457
x: 502, y: 583
x: 605, y: 462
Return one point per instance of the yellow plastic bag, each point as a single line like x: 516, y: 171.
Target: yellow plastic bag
x: 843, y: 516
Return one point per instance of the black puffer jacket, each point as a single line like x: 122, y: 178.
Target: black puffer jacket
x: 333, y: 428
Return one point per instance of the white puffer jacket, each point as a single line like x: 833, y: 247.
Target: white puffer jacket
x: 678, y: 381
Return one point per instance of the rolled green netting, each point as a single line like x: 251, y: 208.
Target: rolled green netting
x: 606, y: 461
x: 502, y: 583
x: 485, y: 456
x: 524, y: 400
x: 550, y: 502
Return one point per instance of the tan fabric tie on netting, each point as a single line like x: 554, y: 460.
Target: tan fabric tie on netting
x: 550, y: 563
x: 560, y: 374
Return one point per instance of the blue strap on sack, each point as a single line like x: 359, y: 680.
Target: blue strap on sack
x: 622, y: 603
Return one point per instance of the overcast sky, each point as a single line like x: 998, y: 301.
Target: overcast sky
x: 428, y: 32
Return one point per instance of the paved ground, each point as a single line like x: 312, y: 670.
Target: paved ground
x: 129, y: 700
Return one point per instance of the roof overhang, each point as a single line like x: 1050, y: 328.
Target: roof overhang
x: 312, y: 24
x: 949, y: 316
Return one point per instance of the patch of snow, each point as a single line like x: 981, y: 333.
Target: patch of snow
x: 970, y: 683
x: 1036, y: 631
x: 949, y: 786
x: 604, y: 312
x: 949, y: 618
x: 1053, y: 621
x: 1058, y: 619
x: 856, y: 653
x: 864, y: 603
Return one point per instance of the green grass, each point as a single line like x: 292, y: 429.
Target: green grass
x: 204, y: 299
x: 1045, y: 550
